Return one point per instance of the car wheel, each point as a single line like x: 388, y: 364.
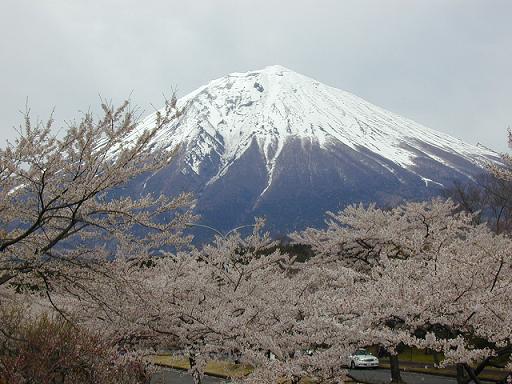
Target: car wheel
x: 352, y: 365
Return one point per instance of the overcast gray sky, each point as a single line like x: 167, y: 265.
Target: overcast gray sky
x: 444, y: 63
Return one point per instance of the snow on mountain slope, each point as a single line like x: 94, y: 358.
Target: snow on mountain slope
x: 275, y: 104
x: 278, y: 144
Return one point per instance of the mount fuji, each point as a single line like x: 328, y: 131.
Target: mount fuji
x: 278, y: 144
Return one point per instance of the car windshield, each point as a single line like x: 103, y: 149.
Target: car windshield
x: 360, y: 352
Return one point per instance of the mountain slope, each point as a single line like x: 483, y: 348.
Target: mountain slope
x: 277, y: 143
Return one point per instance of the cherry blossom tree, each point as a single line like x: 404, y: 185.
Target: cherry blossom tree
x: 238, y: 297
x: 58, y: 208
x: 64, y: 216
x: 46, y: 349
x: 428, y: 278
x: 198, y: 303
x: 299, y: 323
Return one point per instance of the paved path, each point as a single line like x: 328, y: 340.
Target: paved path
x: 171, y: 376
x: 383, y: 376
x: 374, y: 376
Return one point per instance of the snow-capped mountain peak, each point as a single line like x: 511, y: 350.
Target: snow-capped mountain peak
x: 279, y: 144
x: 272, y: 105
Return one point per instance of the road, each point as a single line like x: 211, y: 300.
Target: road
x: 374, y: 376
x: 383, y: 376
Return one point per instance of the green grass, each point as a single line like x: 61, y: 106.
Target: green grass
x: 225, y: 369
x: 214, y: 367
x: 418, y: 356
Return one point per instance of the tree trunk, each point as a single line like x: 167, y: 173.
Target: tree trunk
x: 436, y: 358
x: 194, y: 371
x: 472, y: 374
x: 461, y: 376
x: 394, y: 366
x: 59, y: 378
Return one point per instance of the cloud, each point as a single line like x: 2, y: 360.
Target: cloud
x: 443, y: 64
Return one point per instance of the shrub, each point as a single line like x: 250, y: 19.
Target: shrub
x: 50, y: 350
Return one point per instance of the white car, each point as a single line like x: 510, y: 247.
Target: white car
x: 362, y: 359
